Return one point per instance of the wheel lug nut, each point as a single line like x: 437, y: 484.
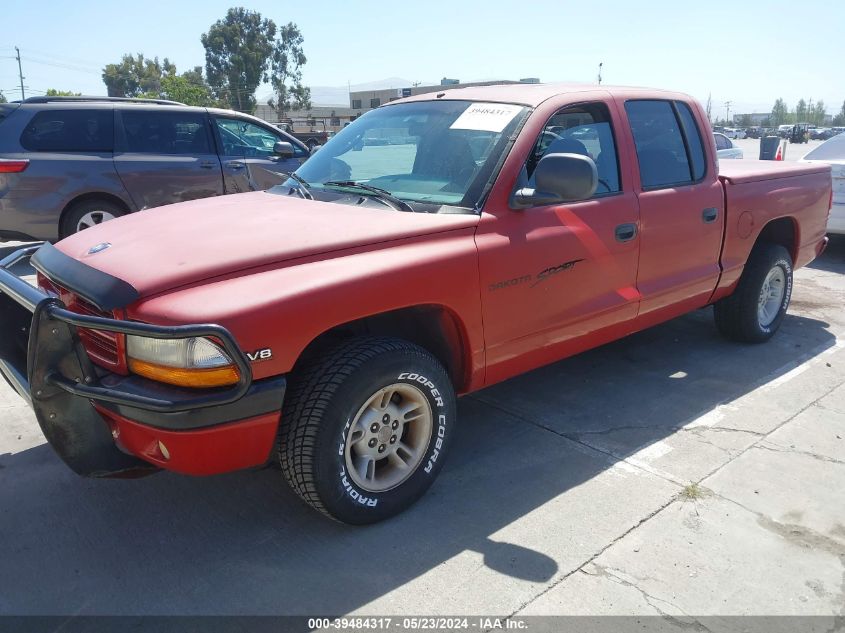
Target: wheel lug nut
x: 395, y: 425
x: 393, y: 440
x: 385, y: 419
x: 374, y: 427
x: 372, y: 443
x: 382, y: 448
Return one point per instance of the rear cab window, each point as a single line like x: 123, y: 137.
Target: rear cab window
x: 670, y: 152
x: 76, y: 130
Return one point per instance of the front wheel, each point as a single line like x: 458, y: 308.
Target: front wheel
x: 365, y: 428
x: 754, y: 312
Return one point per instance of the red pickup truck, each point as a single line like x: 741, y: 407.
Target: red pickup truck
x: 329, y: 323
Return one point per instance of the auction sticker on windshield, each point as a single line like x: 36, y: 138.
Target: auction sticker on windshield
x: 486, y: 117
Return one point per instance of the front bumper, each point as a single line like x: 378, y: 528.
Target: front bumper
x: 80, y: 407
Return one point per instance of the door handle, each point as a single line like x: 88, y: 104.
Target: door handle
x: 626, y: 232
x: 207, y: 164
x: 235, y: 164
x: 709, y: 215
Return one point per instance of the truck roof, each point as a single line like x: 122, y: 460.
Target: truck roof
x: 535, y: 94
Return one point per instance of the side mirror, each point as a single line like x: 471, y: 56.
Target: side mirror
x: 283, y: 149
x: 559, y: 178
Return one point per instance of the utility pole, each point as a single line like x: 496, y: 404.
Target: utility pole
x: 600, y: 65
x: 728, y: 105
x: 20, y: 72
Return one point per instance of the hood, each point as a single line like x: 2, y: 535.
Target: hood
x: 163, y: 248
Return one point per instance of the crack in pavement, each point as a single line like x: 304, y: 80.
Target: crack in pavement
x: 614, y: 576
x: 779, y: 448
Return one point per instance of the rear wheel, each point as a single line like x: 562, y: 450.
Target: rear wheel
x: 365, y: 428
x: 83, y: 215
x: 754, y: 312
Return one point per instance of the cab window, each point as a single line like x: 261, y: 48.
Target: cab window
x: 669, y: 148
x: 583, y: 129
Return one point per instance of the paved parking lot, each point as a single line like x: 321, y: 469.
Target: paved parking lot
x: 794, y: 151
x: 668, y: 473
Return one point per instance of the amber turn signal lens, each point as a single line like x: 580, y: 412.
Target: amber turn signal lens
x: 201, y: 378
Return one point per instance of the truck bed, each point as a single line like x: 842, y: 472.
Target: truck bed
x: 744, y: 171
x: 758, y: 192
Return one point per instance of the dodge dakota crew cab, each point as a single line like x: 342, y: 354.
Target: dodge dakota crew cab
x: 329, y: 323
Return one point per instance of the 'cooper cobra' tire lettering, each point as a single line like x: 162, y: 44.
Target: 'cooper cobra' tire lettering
x: 438, y: 443
x: 435, y: 393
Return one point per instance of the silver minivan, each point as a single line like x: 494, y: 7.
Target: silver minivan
x: 68, y: 163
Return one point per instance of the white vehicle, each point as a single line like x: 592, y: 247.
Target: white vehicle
x: 785, y: 130
x: 725, y: 147
x: 832, y: 152
x: 734, y: 132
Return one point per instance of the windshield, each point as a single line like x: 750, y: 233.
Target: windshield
x: 423, y: 153
x: 832, y: 149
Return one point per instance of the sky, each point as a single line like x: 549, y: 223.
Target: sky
x: 747, y: 52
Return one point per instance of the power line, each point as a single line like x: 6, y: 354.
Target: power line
x: 80, y: 69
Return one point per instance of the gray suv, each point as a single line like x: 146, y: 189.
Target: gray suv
x: 67, y: 163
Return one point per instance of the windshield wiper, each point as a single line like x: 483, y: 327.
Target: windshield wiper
x: 303, y: 187
x: 376, y: 192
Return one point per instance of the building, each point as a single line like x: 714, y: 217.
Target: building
x: 757, y: 118
x: 333, y: 118
x: 365, y: 100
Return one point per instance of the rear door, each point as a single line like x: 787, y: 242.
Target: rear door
x: 681, y: 207
x: 246, y: 152
x: 166, y: 155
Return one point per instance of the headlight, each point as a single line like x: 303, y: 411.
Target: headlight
x: 187, y: 362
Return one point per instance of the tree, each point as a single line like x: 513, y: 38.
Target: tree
x: 286, y: 64
x: 818, y: 113
x: 188, y: 88
x: 801, y: 111
x: 52, y: 92
x: 745, y: 120
x: 136, y: 76
x: 709, y: 106
x: 3, y: 98
x: 780, y: 113
x: 237, y: 56
x: 839, y: 119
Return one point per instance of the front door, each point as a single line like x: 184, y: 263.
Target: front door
x: 164, y: 156
x: 555, y: 277
x: 246, y: 151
